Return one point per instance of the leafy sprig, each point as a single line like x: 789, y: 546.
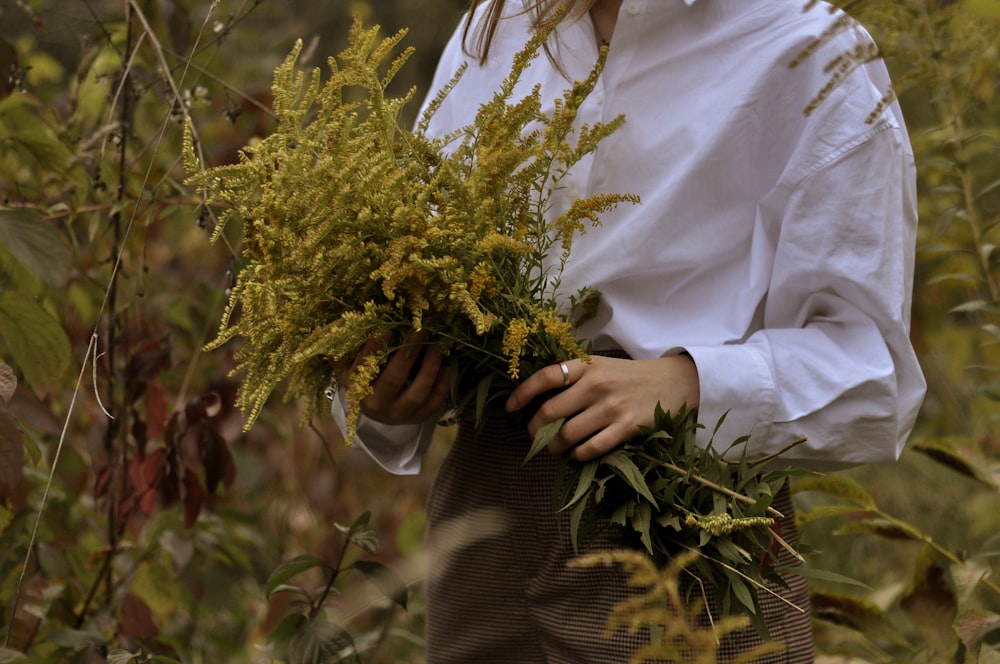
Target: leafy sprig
x: 673, y: 496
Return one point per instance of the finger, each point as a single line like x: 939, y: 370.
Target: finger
x: 544, y: 380
x: 426, y: 376
x: 601, y: 443
x: 438, y: 397
x: 396, y: 374
x: 371, y: 347
x: 414, y: 396
x: 578, y: 429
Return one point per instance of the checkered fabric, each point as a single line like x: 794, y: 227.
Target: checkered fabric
x: 499, y: 589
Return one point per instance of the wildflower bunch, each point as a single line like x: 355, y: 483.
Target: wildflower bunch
x: 356, y: 229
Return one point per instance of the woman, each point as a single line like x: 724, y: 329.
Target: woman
x: 766, y: 275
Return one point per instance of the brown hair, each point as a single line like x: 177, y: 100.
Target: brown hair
x: 476, y: 44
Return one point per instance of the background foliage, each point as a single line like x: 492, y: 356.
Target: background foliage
x: 138, y: 521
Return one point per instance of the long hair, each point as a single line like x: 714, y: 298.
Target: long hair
x: 476, y: 43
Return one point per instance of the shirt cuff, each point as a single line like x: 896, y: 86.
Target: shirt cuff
x: 398, y: 448
x: 738, y: 395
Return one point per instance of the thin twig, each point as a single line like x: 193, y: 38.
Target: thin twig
x: 334, y: 573
x: 327, y: 447
x: 48, y: 487
x: 759, y: 585
x: 774, y: 455
x: 708, y: 483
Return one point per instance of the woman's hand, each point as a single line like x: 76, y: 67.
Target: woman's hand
x: 606, y: 400
x: 405, y: 392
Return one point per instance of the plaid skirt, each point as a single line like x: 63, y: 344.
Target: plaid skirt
x: 499, y: 589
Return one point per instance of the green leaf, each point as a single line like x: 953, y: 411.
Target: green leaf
x: 629, y: 472
x: 858, y: 613
x: 875, y: 525
x: 385, y: 579
x: 575, y: 517
x: 35, y: 340
x: 281, y: 636
x: 987, y: 9
x: 967, y: 277
x: 620, y: 514
x: 826, y: 512
x: 974, y: 306
x: 122, y: 656
x: 483, y: 396
x: 931, y: 603
x: 290, y: 569
x: 359, y: 523
x: 583, y: 484
x: 365, y: 539
x: 75, y: 638
x: 641, y: 520
x: 819, y: 575
x: 838, y: 485
x: 976, y: 627
x: 288, y: 588
x: 733, y: 553
x: 23, y: 127
x: 361, y: 534
x: 11, y: 455
x: 953, y: 455
x: 34, y: 243
x: 543, y: 437
x: 8, y: 655
x: 321, y: 642
x: 741, y: 591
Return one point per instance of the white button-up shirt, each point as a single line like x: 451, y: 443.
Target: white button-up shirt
x: 774, y: 244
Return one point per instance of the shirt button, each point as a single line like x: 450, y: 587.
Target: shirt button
x: 633, y: 8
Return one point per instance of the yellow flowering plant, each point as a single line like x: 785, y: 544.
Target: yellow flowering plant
x: 356, y: 229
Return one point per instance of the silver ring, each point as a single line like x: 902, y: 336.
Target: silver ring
x: 565, y: 372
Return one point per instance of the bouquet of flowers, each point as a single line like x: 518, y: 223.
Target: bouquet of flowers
x: 356, y: 229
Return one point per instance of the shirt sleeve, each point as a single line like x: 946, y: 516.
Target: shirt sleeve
x: 831, y: 360
x: 397, y: 448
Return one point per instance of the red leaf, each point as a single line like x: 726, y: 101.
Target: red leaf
x: 11, y: 456
x: 194, y: 411
x: 170, y: 433
x: 218, y: 460
x: 8, y: 382
x: 156, y: 409
x: 150, y: 359
x: 103, y: 480
x: 153, y: 472
x: 194, y: 498
x: 137, y: 619
x: 25, y: 623
x: 170, y: 487
x: 931, y: 603
x: 208, y: 405
x: 212, y: 403
x: 139, y: 434
x: 153, y: 468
